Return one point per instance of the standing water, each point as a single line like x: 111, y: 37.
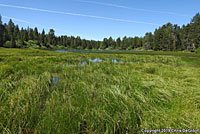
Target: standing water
x: 55, y: 81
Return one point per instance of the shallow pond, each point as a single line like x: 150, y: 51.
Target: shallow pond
x: 91, y: 51
x: 94, y: 60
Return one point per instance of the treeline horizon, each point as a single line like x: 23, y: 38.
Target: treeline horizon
x: 169, y: 37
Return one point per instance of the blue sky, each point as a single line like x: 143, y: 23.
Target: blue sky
x: 96, y: 19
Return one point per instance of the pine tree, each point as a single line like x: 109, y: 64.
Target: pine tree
x: 30, y: 34
x: 42, y: 37
x: 195, y: 30
x: 35, y: 34
x: 149, y: 41
x: 10, y: 29
x: 118, y: 43
x: 0, y: 20
x: 13, y: 43
x: 51, y: 37
x: 124, y: 43
x: 111, y: 43
x: 84, y: 44
x: 1, y: 32
x: 104, y: 44
x: 16, y: 32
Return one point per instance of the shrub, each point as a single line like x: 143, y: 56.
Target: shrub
x: 43, y: 47
x: 19, y: 44
x: 31, y: 43
x: 7, y: 44
x: 34, y: 46
x: 197, y: 50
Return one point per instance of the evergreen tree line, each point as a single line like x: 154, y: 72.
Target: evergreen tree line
x: 169, y: 37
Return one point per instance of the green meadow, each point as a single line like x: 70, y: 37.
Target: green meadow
x: 97, y: 93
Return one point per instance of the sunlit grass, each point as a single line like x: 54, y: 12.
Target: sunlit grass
x: 143, y: 92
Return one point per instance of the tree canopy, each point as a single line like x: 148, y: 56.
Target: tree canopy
x: 169, y: 37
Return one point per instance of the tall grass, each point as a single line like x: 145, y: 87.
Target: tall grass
x: 145, y: 92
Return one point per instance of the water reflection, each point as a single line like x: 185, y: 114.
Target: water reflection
x: 117, y: 61
x: 98, y: 60
x: 92, y: 51
x: 83, y: 63
x: 55, y: 81
x: 94, y: 60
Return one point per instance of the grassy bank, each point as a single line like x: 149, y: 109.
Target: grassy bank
x: 54, y: 92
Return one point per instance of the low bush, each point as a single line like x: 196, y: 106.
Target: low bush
x: 7, y: 44
x: 197, y: 50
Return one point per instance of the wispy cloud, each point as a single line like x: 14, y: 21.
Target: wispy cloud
x: 35, y: 25
x: 77, y: 14
x: 19, y: 20
x: 131, y: 8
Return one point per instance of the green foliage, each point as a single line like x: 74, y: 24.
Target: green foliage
x: 1, y: 32
x: 197, y: 50
x: 169, y: 37
x: 43, y: 47
x: 20, y: 44
x: 32, y: 44
x: 8, y: 44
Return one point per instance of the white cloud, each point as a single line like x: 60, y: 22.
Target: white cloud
x: 35, y: 25
x: 77, y: 14
x: 130, y: 8
x: 19, y: 20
